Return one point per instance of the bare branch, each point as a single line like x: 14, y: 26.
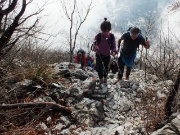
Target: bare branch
x: 81, y: 22
x: 2, y: 1
x: 175, y: 6
x: 37, y: 104
x: 8, y: 33
x: 7, y: 10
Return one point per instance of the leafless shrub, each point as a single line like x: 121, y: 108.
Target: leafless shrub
x: 164, y: 62
x: 76, y: 15
x: 34, y: 55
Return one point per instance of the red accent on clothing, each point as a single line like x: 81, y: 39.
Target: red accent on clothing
x: 82, y: 60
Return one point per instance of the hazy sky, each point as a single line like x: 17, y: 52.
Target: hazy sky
x: 114, y: 10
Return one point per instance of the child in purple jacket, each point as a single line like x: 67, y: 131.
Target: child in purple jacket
x: 105, y: 45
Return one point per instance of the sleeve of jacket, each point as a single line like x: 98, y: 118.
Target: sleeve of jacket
x: 95, y: 47
x: 142, y: 40
x: 120, y: 39
x: 95, y: 38
x: 113, y: 49
x: 76, y: 59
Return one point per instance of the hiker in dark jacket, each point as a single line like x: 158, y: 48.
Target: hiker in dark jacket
x: 104, y: 46
x: 132, y: 40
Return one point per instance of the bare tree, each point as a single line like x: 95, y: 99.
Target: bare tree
x: 12, y: 23
x: 164, y: 64
x: 76, y: 16
x: 148, y: 28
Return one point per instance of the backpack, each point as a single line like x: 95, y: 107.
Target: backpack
x: 114, y: 67
x: 110, y: 41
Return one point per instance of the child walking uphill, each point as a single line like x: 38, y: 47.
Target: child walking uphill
x: 104, y: 46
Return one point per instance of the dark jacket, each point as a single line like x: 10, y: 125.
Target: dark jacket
x: 130, y: 45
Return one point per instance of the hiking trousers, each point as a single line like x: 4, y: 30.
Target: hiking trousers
x: 102, y: 64
x: 121, y: 68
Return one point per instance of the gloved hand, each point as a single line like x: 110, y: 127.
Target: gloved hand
x: 113, y: 54
x: 95, y: 48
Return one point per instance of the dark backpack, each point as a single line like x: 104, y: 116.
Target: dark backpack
x: 110, y: 41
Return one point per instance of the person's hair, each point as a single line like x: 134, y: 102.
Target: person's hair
x: 105, y: 25
x: 79, y: 54
x: 135, y: 30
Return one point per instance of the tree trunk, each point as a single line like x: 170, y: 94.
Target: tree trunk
x: 71, y: 56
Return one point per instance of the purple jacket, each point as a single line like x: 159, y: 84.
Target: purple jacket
x: 103, y: 48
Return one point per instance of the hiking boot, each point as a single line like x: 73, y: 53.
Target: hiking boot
x: 126, y: 77
x: 101, y: 81
x: 100, y: 85
x: 105, y: 84
x: 105, y: 80
x: 117, y: 79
